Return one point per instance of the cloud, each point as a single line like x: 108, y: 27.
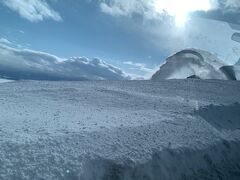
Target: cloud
x: 153, y: 9
x: 128, y: 7
x: 33, y: 10
x: 139, y: 71
x: 232, y: 4
x: 138, y: 66
x: 5, y: 41
x: 33, y: 65
x: 21, y: 31
x: 157, y: 9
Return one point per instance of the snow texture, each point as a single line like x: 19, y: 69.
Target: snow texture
x: 195, y: 62
x: 33, y: 65
x: 120, y: 130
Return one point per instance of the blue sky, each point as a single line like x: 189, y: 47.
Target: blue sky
x: 131, y: 34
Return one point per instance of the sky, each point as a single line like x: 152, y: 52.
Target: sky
x: 133, y: 35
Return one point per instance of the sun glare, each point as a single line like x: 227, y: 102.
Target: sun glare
x: 180, y: 9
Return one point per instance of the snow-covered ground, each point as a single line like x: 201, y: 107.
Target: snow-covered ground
x: 120, y: 130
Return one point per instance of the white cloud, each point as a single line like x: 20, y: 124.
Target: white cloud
x: 5, y: 41
x: 129, y: 7
x: 138, y: 66
x: 139, y: 71
x: 21, y: 31
x: 232, y: 3
x: 33, y: 10
x: 34, y: 65
x: 152, y: 9
x: 158, y: 9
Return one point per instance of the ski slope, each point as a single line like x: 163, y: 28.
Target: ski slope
x: 120, y: 130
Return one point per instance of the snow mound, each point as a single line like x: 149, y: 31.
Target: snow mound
x: 194, y: 63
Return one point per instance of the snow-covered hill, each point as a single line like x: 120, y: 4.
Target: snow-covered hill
x: 123, y: 130
x: 194, y: 63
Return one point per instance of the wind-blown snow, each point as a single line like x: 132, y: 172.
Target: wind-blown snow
x: 26, y: 64
x: 194, y: 62
x: 123, y: 130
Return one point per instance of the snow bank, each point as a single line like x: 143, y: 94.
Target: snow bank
x: 194, y: 62
x: 26, y: 64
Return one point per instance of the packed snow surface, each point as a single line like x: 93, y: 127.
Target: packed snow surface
x: 120, y: 130
x: 198, y: 63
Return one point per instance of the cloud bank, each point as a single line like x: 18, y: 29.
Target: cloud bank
x: 33, y: 65
x: 231, y: 4
x: 33, y: 10
x: 157, y: 9
x: 39, y: 10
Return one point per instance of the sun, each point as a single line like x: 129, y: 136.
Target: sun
x: 180, y: 9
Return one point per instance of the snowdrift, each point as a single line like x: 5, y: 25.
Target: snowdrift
x: 195, y: 63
